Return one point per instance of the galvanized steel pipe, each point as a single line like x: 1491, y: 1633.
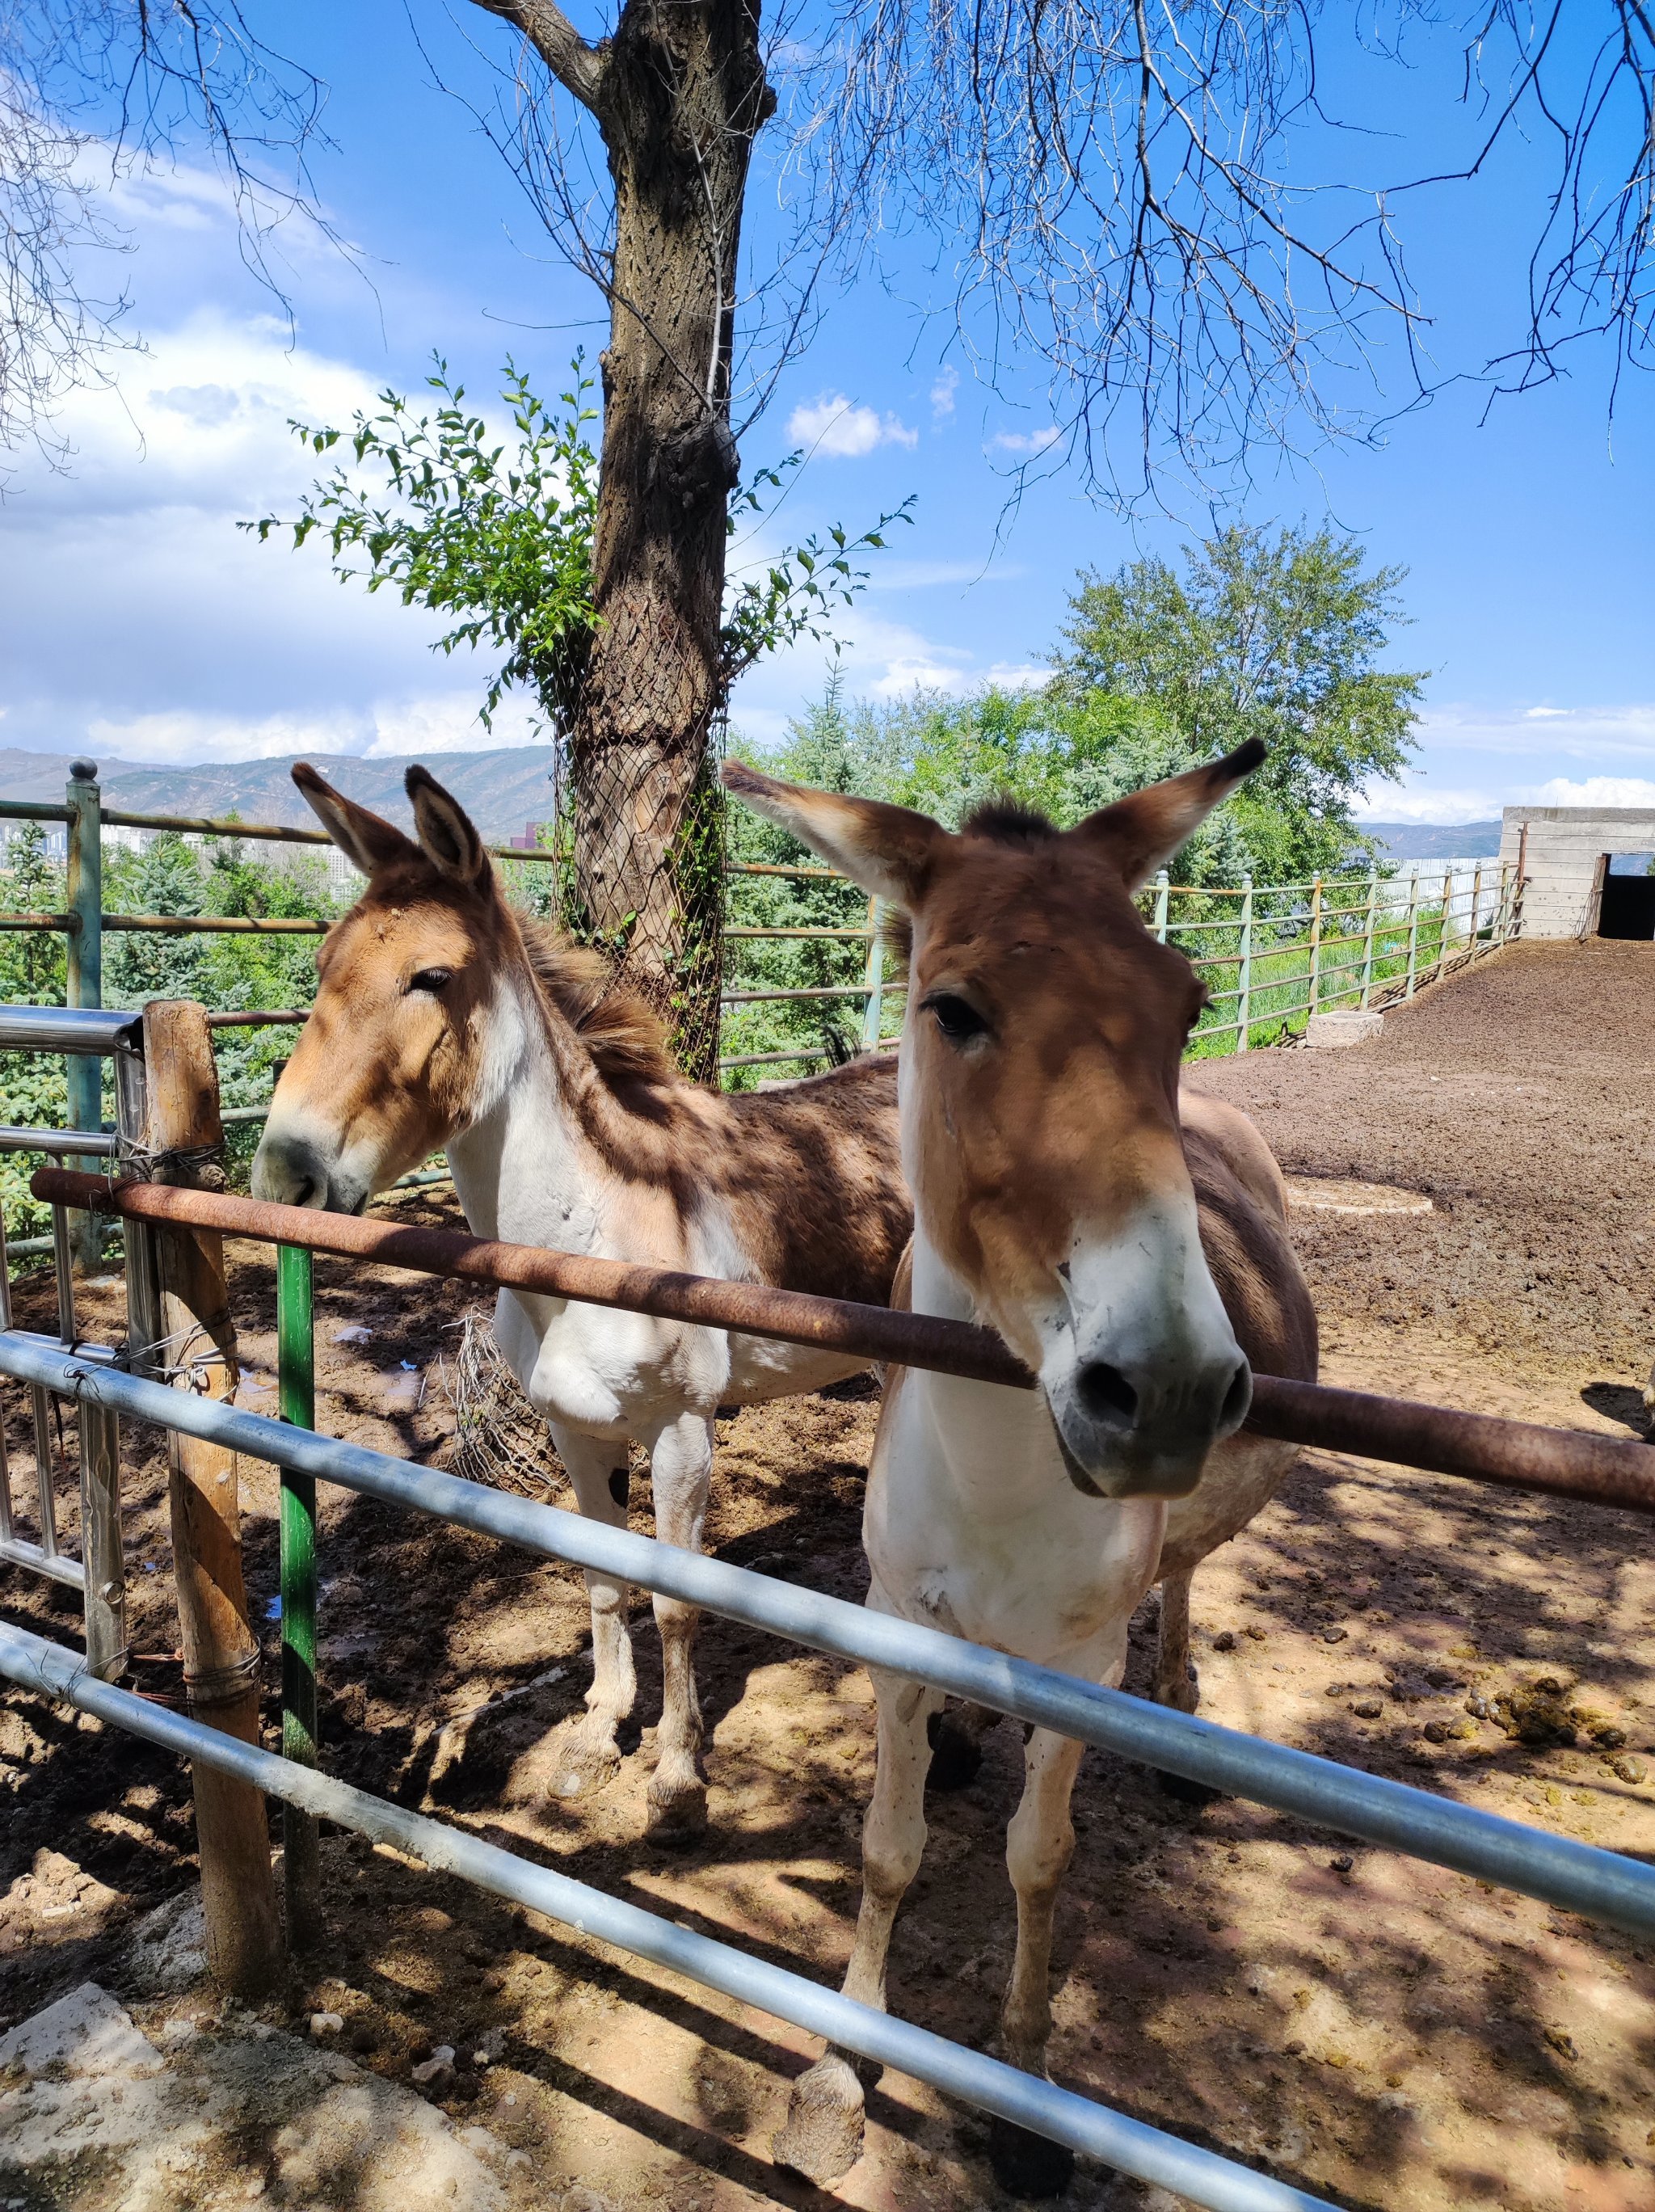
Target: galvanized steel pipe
x: 1129, y: 2145
x: 1576, y: 1876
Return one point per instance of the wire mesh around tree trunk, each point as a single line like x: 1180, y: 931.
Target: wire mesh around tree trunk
x: 640, y: 875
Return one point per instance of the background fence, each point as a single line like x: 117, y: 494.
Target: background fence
x: 807, y: 981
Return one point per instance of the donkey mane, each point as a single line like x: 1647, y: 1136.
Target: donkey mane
x: 626, y: 1043
x: 1007, y: 821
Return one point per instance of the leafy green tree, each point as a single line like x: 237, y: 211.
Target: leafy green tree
x: 1278, y: 638
x: 165, y: 879
x: 31, y: 962
x: 499, y: 536
x: 451, y: 519
x: 33, y: 1092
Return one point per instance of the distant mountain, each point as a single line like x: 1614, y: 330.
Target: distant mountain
x: 502, y: 790
x: 1443, y: 841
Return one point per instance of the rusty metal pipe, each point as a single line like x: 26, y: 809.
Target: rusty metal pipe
x: 1438, y: 1439
x: 753, y: 1309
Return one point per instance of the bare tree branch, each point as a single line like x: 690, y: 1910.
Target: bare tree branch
x: 578, y: 68
x: 110, y: 85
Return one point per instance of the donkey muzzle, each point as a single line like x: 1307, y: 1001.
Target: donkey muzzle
x: 1143, y: 1373
x: 291, y: 1170
x: 1145, y: 1429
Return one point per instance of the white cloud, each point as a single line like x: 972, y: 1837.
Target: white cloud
x: 1592, y: 791
x: 443, y: 722
x: 1021, y: 442
x: 1471, y: 756
x: 1597, y: 731
x: 141, y: 620
x: 931, y: 670
x: 832, y: 427
x: 943, y: 391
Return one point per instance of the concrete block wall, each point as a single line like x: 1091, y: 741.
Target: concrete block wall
x: 1565, y: 845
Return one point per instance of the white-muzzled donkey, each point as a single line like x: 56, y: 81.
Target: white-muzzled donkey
x: 1137, y: 1264
x: 444, y: 1018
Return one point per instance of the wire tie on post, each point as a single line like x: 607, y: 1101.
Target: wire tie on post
x: 203, y: 1165
x: 222, y: 1686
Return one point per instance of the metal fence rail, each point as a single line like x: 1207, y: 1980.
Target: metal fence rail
x: 1575, y: 1876
x: 1146, y: 2153
x: 1579, y: 1877
x: 1518, y: 1455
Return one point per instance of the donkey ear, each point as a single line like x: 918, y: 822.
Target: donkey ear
x: 447, y: 836
x: 1143, y: 831
x: 367, y: 840
x: 889, y: 851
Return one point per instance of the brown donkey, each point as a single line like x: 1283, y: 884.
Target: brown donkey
x: 1138, y: 1266
x: 443, y: 1018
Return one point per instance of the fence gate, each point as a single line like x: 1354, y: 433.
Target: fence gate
x: 85, y: 1037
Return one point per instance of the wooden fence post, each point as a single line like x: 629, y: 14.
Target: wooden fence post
x: 1368, y: 937
x: 1163, y: 883
x: 1244, y: 976
x: 221, y: 1651
x: 873, y: 1013
x: 1315, y: 942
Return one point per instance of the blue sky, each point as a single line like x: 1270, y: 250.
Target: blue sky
x: 139, y: 624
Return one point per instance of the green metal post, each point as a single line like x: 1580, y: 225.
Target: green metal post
x: 296, y: 1380
x: 1244, y: 998
x: 873, y: 1016
x: 85, y: 978
x: 1162, y: 884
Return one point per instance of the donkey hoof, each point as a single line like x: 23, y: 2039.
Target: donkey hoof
x: 821, y: 2136
x: 584, y: 1767
x: 1185, y: 1792
x: 1027, y: 2165
x: 677, y: 1813
x: 956, y: 1755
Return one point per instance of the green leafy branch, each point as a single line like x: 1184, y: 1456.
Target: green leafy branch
x: 801, y: 591
x: 502, y: 539
x: 501, y: 535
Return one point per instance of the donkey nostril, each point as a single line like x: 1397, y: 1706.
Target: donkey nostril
x: 1106, y: 1394
x: 1237, y: 1399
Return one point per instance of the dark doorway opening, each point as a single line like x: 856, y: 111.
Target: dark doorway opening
x: 1628, y: 907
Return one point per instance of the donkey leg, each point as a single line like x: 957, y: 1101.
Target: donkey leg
x: 821, y: 2136
x: 956, y: 1742
x: 681, y: 1472
x: 1176, y: 1684
x: 1038, y: 1844
x: 588, y: 1755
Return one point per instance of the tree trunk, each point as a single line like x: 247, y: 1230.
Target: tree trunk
x: 679, y: 97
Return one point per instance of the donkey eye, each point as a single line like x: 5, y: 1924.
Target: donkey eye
x: 957, y: 1018
x: 431, y: 979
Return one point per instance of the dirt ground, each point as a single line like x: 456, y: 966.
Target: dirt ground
x: 1384, y: 2033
